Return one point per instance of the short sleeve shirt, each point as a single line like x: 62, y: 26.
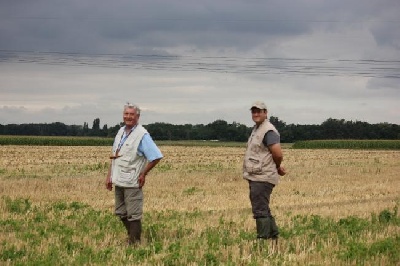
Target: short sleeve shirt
x: 149, y: 149
x: 271, y: 137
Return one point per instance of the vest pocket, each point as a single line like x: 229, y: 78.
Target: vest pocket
x: 253, y: 166
x: 128, y: 176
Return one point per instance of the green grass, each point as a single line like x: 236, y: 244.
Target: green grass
x: 72, y: 233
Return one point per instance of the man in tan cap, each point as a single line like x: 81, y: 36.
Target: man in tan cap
x: 262, y: 168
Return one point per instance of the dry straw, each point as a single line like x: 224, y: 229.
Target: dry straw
x: 207, y: 182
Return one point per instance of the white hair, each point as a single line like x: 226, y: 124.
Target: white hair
x: 133, y: 106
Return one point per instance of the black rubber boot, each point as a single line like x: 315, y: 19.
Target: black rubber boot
x: 135, y: 231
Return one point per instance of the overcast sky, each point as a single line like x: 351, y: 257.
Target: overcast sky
x: 190, y: 61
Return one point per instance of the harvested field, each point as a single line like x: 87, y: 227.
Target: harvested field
x: 191, y: 193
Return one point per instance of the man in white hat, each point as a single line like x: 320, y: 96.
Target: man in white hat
x: 262, y: 168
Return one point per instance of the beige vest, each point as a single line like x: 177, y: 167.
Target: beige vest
x: 258, y: 164
x: 126, y: 169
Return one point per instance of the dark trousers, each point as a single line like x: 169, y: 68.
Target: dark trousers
x: 260, y: 193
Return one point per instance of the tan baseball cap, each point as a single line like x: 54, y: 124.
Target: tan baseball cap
x: 259, y: 105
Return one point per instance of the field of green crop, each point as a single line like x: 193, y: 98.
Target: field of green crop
x: 97, y: 141
x: 55, y: 141
x: 334, y: 207
x: 348, y: 144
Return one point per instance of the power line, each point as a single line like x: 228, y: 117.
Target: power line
x: 214, y: 64
x: 7, y: 17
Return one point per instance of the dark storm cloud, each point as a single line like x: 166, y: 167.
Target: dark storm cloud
x: 174, y: 56
x: 123, y: 26
x: 81, y: 25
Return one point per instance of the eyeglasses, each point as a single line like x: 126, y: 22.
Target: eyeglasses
x: 257, y: 111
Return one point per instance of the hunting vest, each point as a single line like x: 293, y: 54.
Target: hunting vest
x: 126, y: 168
x: 258, y: 163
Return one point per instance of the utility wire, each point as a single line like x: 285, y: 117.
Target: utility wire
x: 215, y: 64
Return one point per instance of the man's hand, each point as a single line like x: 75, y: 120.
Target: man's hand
x: 149, y: 166
x: 142, y: 180
x: 108, y: 183
x: 281, y: 171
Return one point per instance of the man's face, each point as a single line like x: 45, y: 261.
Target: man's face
x: 130, y: 117
x: 258, y: 115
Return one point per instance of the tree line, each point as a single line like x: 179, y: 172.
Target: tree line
x: 218, y: 130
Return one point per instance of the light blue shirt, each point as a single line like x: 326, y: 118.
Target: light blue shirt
x: 149, y: 149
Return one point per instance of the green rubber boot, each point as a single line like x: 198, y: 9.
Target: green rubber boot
x: 263, y: 226
x: 274, y: 231
x: 135, y: 231
x: 126, y: 224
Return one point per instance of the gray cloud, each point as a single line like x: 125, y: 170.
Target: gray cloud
x: 198, y: 61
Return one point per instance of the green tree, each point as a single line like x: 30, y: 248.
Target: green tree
x: 85, y: 129
x: 96, y: 124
